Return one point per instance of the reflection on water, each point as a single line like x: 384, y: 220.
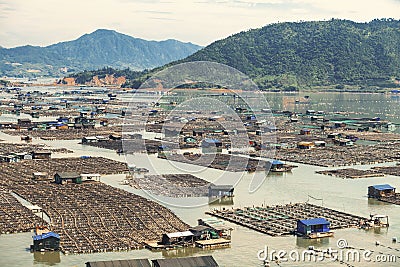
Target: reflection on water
x: 225, y: 201
x: 48, y: 258
x: 303, y: 242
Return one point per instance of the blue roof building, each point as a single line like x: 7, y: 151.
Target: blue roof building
x: 310, y: 226
x: 381, y: 190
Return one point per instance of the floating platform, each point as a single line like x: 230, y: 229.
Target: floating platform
x: 213, y: 243
x: 320, y: 235
x: 351, y: 173
x: 282, y: 219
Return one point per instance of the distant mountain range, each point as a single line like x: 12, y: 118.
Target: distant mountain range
x: 288, y: 56
x: 101, y: 48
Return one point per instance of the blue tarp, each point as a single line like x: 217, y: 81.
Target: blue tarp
x: 46, y: 235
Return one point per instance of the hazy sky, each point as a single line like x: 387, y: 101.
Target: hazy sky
x: 43, y: 22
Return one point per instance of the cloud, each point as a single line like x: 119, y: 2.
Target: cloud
x: 43, y: 22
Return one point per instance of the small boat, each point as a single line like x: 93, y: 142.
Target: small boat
x: 45, y: 240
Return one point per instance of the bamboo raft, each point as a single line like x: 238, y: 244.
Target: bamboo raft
x: 172, y: 185
x: 219, y: 161
x: 282, y: 219
x: 392, y: 199
x: 352, y: 173
x: 89, y: 217
x: 68, y: 134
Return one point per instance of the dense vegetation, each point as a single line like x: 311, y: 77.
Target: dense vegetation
x: 312, y: 53
x: 99, y: 49
x: 288, y: 56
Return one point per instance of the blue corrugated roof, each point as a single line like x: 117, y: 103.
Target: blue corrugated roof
x: 383, y: 187
x: 46, y: 235
x: 277, y: 162
x: 315, y: 221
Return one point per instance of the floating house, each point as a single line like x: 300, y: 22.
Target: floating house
x: 343, y: 142
x: 45, y: 240
x: 217, y: 225
x: 314, y: 228
x: 201, y: 232
x: 177, y: 238
x: 279, y: 166
x: 381, y: 190
x: 67, y: 177
x: 220, y: 191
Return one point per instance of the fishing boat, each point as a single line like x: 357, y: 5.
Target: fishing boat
x: 45, y: 240
x: 375, y: 221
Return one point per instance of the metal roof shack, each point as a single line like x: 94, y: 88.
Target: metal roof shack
x: 120, y: 263
x: 309, y: 226
x: 67, y: 177
x: 177, y: 238
x: 381, y: 190
x: 220, y: 190
x: 201, y: 261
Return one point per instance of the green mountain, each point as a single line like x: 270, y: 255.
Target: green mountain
x: 314, y: 53
x: 102, y: 48
x: 292, y: 55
